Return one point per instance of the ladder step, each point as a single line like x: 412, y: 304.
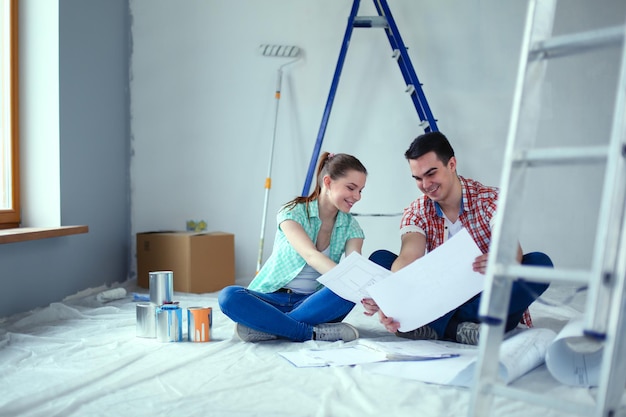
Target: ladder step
x: 542, y: 274
x: 370, y: 22
x: 400, y: 54
x: 570, y: 155
x: 570, y: 44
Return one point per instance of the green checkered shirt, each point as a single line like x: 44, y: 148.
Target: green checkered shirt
x: 284, y: 264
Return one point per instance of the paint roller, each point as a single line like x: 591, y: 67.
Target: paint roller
x: 284, y: 51
x: 276, y: 51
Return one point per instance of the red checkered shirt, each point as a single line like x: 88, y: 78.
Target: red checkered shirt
x: 476, y: 214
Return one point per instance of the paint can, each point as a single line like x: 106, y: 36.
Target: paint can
x: 169, y: 323
x: 199, y: 323
x: 146, y: 320
x: 161, y: 287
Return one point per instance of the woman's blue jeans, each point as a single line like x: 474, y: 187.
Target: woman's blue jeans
x: 523, y: 294
x: 286, y: 314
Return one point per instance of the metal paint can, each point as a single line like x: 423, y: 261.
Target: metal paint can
x: 146, y: 320
x: 199, y: 323
x: 169, y: 323
x: 161, y: 287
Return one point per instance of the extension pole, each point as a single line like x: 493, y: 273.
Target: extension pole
x: 268, y: 179
x: 276, y: 51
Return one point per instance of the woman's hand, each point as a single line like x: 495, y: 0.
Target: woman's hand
x: 370, y: 306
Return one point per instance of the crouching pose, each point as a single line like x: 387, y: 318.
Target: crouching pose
x: 449, y: 203
x: 285, y: 300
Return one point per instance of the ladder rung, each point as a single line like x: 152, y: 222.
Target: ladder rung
x: 571, y: 407
x: 570, y: 44
x: 545, y: 156
x: 370, y: 22
x: 543, y: 274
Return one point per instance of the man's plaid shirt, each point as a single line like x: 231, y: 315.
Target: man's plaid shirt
x: 476, y: 215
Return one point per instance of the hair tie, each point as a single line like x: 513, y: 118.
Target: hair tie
x: 331, y: 155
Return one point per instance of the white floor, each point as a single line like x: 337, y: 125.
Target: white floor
x: 80, y: 357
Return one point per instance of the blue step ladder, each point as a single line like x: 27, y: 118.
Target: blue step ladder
x: 414, y: 87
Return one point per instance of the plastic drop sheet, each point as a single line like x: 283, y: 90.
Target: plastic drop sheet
x: 81, y: 357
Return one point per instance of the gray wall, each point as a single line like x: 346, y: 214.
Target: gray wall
x: 202, y: 111
x: 94, y: 160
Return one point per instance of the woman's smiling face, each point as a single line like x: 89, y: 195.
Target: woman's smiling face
x: 344, y: 192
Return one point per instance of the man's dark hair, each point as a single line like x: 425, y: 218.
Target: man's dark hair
x: 430, y: 142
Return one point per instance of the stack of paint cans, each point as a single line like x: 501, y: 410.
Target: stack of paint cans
x: 162, y: 318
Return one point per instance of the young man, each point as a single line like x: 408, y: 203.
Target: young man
x: 449, y: 203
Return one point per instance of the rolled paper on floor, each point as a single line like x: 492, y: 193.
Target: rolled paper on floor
x: 574, y: 359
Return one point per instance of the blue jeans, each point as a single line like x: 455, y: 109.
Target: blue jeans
x: 523, y: 294
x: 286, y: 314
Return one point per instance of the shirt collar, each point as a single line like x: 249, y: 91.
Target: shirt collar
x: 314, y: 211
x: 464, y: 200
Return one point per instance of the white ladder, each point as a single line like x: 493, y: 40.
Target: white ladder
x: 605, y: 312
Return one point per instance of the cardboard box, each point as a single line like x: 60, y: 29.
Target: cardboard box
x: 201, y: 262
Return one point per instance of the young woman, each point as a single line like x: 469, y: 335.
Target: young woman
x: 285, y: 300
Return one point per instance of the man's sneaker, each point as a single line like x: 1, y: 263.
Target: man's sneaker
x: 467, y: 333
x: 250, y: 335
x: 421, y: 333
x: 331, y: 332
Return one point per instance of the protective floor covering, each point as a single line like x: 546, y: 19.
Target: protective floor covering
x: 80, y: 357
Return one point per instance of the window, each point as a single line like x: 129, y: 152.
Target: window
x: 9, y: 156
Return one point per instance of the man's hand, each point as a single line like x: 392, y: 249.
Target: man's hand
x: 391, y: 325
x: 372, y: 308
x: 480, y: 263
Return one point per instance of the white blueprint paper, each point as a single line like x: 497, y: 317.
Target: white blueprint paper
x: 520, y: 353
x: 431, y: 286
x: 573, y: 359
x: 352, y: 276
x: 367, y: 351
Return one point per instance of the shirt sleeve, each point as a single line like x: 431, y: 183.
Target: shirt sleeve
x: 490, y: 206
x: 296, y: 213
x: 413, y: 219
x: 354, y: 230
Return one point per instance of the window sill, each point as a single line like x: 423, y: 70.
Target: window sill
x: 23, y: 234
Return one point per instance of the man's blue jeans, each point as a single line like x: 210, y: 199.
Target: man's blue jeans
x: 285, y: 314
x: 523, y: 294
